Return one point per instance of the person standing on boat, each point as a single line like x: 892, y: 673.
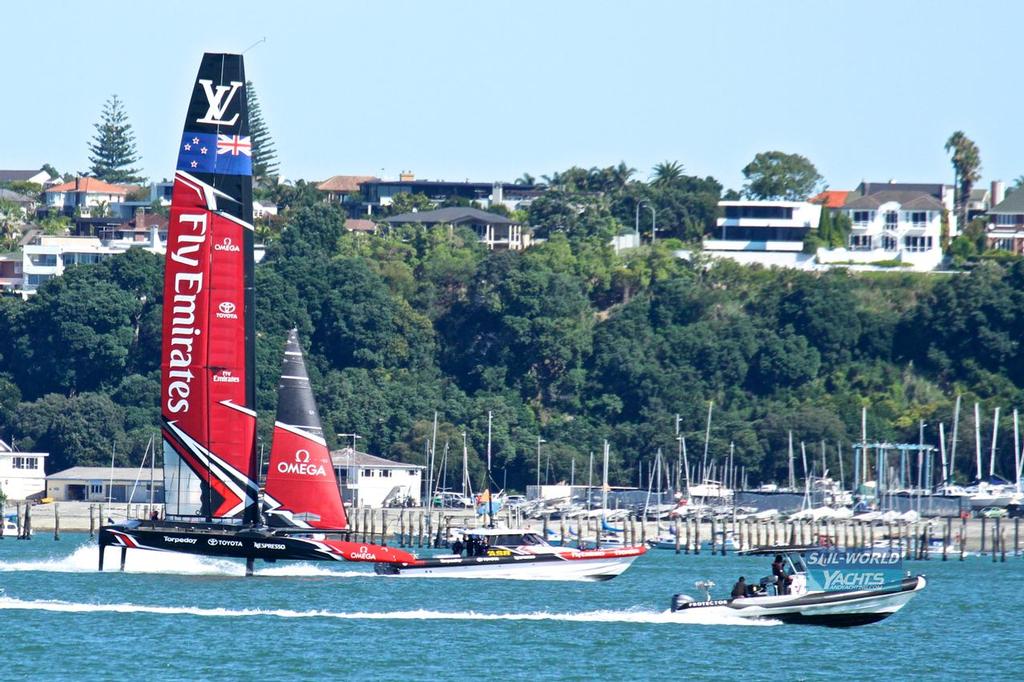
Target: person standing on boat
x: 739, y: 590
x: 779, y: 572
x: 457, y: 546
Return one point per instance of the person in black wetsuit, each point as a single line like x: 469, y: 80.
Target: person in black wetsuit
x: 779, y: 572
x: 457, y: 547
x: 739, y: 590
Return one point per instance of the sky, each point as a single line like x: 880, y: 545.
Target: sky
x: 490, y: 90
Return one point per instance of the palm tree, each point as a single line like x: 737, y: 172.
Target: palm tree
x: 525, y: 179
x: 967, y: 166
x: 621, y: 175
x: 667, y: 173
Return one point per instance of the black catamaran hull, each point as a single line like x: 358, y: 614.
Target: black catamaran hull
x: 238, y: 543
x: 832, y: 609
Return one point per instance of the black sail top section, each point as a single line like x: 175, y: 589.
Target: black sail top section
x: 295, y: 404
x: 215, y: 144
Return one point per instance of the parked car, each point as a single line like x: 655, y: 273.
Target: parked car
x: 993, y: 512
x: 448, y: 500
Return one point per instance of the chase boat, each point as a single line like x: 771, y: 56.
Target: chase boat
x: 853, y: 596
x: 515, y: 554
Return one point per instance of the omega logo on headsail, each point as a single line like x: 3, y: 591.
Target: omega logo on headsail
x: 226, y: 245
x: 301, y: 465
x: 218, y: 103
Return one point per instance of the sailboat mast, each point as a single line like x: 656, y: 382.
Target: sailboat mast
x: 490, y: 503
x: 995, y: 436
x: 792, y: 469
x: 942, y: 453
x: 977, y: 439
x: 465, y: 466
x: 604, y: 481
x: 952, y: 449
x: 707, y: 438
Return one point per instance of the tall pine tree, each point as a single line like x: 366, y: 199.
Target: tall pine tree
x: 264, y: 157
x: 112, y: 149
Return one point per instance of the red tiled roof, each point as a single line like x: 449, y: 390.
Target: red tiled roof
x: 360, y: 225
x: 90, y: 185
x: 831, y: 198
x: 344, y: 183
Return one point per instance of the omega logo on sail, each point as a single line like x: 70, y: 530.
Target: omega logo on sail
x: 301, y: 465
x: 227, y: 245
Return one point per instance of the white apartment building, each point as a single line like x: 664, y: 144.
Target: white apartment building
x: 765, y: 232
x: 22, y: 474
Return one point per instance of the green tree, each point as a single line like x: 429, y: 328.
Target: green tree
x: 264, y: 156
x: 112, y: 150
x: 776, y: 175
x: 667, y: 173
x: 966, y: 161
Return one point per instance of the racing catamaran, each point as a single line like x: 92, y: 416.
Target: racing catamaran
x: 208, y: 375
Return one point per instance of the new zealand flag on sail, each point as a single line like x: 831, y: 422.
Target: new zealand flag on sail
x: 215, y: 153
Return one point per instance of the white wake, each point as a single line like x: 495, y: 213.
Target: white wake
x: 638, y: 617
x: 85, y: 559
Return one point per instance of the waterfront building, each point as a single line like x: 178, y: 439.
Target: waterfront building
x: 370, y: 481
x: 36, y: 177
x: 21, y: 473
x: 105, y: 484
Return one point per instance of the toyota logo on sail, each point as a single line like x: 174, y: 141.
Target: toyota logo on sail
x: 226, y: 245
x: 226, y: 311
x: 302, y: 466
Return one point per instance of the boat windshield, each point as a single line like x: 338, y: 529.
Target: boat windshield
x: 797, y: 563
x: 512, y: 539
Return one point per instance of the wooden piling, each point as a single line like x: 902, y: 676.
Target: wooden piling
x: 545, y: 528
x: 995, y: 542
x: 678, y: 534
x: 56, y: 522
x: 1002, y: 546
x: 373, y: 523
x: 27, y: 529
x: 947, y: 538
x: 561, y: 528
x: 17, y: 520
x: 580, y: 544
x: 981, y: 550
x: 714, y: 527
x: 963, y: 537
x: 384, y: 527
x: 686, y: 544
x: 696, y: 535
x: 419, y: 530
x: 401, y: 528
x: 1016, y: 536
x: 92, y: 521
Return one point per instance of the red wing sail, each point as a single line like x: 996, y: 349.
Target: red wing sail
x: 208, y: 358
x: 302, y: 489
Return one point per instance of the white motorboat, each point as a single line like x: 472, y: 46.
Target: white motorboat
x: 516, y: 554
x: 870, y: 599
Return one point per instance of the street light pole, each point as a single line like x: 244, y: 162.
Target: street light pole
x: 353, y: 436
x: 654, y: 223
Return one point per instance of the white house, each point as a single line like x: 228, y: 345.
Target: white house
x: 1006, y: 229
x: 37, y: 177
x: 766, y: 232
x: 371, y: 481
x: 84, y: 194
x: 105, y: 484
x: 21, y: 473
x: 895, y: 222
x: 48, y: 256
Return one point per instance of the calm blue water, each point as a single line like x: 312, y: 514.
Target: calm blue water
x: 180, y: 617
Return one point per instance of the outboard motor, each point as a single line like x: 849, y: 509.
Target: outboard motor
x: 680, y: 601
